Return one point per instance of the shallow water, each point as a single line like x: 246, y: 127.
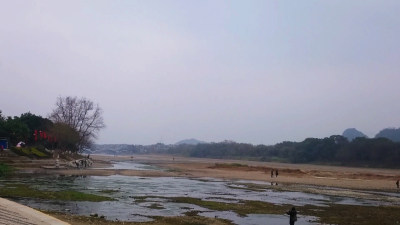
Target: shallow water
x: 128, y: 206
x: 130, y: 166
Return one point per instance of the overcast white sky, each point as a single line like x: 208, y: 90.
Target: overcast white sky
x: 249, y: 71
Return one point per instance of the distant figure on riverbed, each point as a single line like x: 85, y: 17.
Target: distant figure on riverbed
x: 397, y: 183
x: 272, y: 173
x: 292, y: 216
x: 276, y: 173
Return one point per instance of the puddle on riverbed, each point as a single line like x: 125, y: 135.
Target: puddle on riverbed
x: 126, y: 165
x: 127, y: 190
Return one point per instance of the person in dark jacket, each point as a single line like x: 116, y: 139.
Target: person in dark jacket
x: 293, y: 216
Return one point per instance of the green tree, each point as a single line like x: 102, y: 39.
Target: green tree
x: 35, y: 122
x: 16, y: 130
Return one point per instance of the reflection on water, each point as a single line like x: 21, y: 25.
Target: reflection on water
x: 129, y: 207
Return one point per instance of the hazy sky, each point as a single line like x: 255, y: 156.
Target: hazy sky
x: 249, y: 71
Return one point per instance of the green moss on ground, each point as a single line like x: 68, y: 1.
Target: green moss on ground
x: 331, y: 214
x: 156, y: 206
x: 354, y: 215
x: 21, y: 190
x: 242, y: 208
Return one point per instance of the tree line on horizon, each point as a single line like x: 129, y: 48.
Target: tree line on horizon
x: 71, y: 126
x: 333, y: 150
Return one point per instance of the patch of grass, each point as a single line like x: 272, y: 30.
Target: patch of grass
x: 5, y: 169
x: 174, y: 170
x: 331, y: 214
x: 192, y: 213
x: 229, y: 165
x: 139, y: 199
x: 21, y: 190
x: 155, y: 206
x: 108, y: 191
x: 31, y: 152
x: 354, y: 215
x: 242, y: 208
x: 38, y: 153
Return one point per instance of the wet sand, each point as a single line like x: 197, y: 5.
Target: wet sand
x: 320, y: 175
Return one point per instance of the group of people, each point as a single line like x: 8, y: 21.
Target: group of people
x: 81, y: 163
x: 276, y: 173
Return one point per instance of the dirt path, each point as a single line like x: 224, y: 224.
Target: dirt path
x: 12, y: 213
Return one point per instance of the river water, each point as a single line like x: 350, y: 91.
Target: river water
x: 129, y: 206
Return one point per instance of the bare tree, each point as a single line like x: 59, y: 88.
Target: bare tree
x: 80, y: 114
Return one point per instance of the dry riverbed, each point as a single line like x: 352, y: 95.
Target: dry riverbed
x: 327, y: 180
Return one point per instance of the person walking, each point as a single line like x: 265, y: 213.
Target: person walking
x: 276, y: 173
x: 272, y: 173
x: 397, y: 183
x: 292, y: 216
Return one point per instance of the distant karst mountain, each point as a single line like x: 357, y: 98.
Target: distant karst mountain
x: 191, y: 141
x: 352, y: 133
x: 389, y: 133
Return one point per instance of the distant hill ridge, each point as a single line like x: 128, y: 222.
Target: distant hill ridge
x: 190, y: 141
x: 353, y: 133
x: 389, y: 133
x: 392, y: 134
